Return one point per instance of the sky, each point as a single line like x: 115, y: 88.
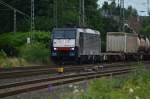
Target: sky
x: 140, y: 5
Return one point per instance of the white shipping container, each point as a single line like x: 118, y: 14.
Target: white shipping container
x: 122, y: 42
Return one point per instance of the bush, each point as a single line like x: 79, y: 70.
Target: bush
x: 6, y: 62
x: 36, y: 52
x: 2, y: 57
x: 10, y: 42
x: 43, y: 37
x: 134, y: 86
x: 2, y: 54
x: 12, y: 62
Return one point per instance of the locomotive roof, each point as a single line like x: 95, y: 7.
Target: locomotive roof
x: 84, y: 30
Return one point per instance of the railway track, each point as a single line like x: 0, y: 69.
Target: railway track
x: 39, y: 70
x: 21, y: 87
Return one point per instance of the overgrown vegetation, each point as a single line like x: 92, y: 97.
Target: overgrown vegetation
x: 18, y: 39
x: 11, y: 42
x: 134, y: 86
x: 14, y: 45
x: 146, y: 26
x: 36, y: 52
x: 6, y: 62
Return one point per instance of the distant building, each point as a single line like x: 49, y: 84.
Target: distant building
x: 135, y: 23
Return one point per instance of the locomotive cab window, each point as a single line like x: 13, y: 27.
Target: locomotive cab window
x: 64, y: 34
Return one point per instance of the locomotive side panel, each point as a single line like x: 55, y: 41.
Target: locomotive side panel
x: 91, y: 44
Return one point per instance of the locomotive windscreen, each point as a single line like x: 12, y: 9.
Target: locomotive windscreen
x: 68, y: 34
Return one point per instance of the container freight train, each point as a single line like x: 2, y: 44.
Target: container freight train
x: 75, y: 44
x: 84, y: 45
x: 127, y: 46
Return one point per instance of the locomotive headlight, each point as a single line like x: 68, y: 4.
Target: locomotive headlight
x: 72, y: 49
x: 55, y: 49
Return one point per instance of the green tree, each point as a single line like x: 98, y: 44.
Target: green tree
x: 145, y: 25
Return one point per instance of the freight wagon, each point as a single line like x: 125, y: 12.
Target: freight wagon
x: 122, y: 46
x: 122, y: 42
x: 129, y: 45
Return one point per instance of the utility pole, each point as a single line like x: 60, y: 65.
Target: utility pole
x: 81, y: 13
x: 55, y: 13
x: 32, y: 16
x: 15, y: 28
x: 148, y: 7
x: 122, y: 15
x: 32, y: 20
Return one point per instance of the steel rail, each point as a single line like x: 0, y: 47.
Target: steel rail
x: 53, y: 78
x: 54, y: 66
x: 22, y: 87
x: 51, y: 70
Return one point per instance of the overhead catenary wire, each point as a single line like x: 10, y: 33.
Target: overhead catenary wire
x: 15, y: 11
x: 13, y: 8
